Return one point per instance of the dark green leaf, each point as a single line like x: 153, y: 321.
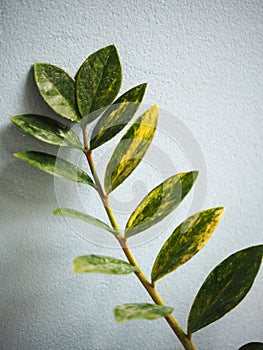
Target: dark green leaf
x: 47, y: 130
x: 58, y: 89
x: 102, y: 264
x: 98, y: 82
x: 186, y: 240
x: 131, y: 149
x: 117, y: 116
x: 252, y: 346
x: 127, y: 312
x: 55, y: 166
x: 160, y: 202
x: 84, y: 217
x: 225, y: 287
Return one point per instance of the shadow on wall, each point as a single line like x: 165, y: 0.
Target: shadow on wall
x: 28, y: 255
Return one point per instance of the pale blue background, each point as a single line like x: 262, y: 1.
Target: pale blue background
x: 203, y: 60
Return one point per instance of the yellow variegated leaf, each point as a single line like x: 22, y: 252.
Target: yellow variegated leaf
x: 186, y: 240
x: 131, y: 149
x: 225, y: 287
x: 98, y: 82
x: 160, y: 202
x: 117, y: 116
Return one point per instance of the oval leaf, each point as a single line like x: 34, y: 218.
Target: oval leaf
x: 160, y: 202
x: 74, y: 214
x: 186, y: 240
x: 127, y: 312
x: 102, y: 264
x: 225, y: 287
x: 55, y: 166
x: 47, y: 130
x: 58, y: 89
x: 117, y: 116
x: 131, y: 149
x: 252, y: 346
x: 98, y: 82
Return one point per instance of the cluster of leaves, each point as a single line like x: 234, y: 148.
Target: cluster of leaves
x: 90, y: 96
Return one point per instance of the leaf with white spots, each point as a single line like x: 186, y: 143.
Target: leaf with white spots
x: 47, y: 130
x: 98, y: 82
x: 225, y: 287
x: 160, y: 202
x: 102, y: 264
x: 57, y: 88
x: 186, y: 240
x: 131, y: 149
x: 127, y: 312
x: 55, y: 166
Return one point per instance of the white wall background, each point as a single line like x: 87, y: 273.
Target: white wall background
x: 203, y: 62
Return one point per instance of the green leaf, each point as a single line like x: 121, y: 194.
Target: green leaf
x: 131, y: 149
x: 55, y: 166
x: 252, y: 346
x: 57, y: 89
x: 47, y: 130
x: 186, y: 240
x: 84, y: 217
x: 102, y: 264
x: 98, y: 82
x: 225, y: 287
x: 127, y: 312
x: 117, y: 116
x: 160, y: 202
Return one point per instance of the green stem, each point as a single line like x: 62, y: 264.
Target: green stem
x: 177, y: 329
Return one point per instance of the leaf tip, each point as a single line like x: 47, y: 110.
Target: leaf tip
x: 17, y: 154
x: 56, y: 211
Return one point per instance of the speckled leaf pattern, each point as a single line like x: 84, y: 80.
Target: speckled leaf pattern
x: 131, y: 149
x: 127, y: 312
x: 186, y: 240
x: 102, y: 264
x: 47, y: 130
x: 55, y: 166
x: 117, y: 116
x: 160, y: 202
x: 58, y: 90
x: 252, y: 346
x: 98, y: 82
x: 75, y: 214
x: 225, y: 287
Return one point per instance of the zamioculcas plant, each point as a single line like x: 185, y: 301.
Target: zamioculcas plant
x: 92, y: 96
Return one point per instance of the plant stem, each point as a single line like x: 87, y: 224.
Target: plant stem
x: 177, y: 329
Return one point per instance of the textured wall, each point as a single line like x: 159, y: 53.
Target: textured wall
x: 203, y: 62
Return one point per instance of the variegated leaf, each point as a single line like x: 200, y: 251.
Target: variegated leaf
x: 186, y: 240
x: 131, y: 149
x: 160, y: 202
x: 75, y: 214
x: 117, y: 116
x: 55, y: 166
x: 98, y: 82
x: 225, y: 287
x: 102, y: 264
x: 47, y: 130
x: 58, y: 90
x: 127, y: 312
